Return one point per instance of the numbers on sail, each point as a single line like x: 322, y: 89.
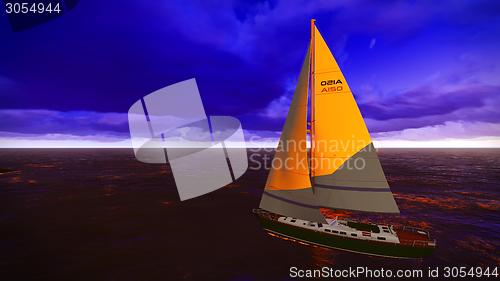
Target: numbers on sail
x: 331, y: 86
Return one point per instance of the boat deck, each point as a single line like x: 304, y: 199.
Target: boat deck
x: 405, y: 235
x: 414, y: 236
x: 363, y: 226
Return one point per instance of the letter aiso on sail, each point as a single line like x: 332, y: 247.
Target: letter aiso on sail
x: 333, y: 177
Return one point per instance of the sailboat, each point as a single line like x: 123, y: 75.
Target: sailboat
x: 341, y: 171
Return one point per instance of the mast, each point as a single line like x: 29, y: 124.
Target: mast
x: 312, y: 117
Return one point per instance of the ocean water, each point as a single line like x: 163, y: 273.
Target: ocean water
x: 82, y: 214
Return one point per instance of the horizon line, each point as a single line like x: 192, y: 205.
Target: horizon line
x: 21, y: 143
x: 250, y: 147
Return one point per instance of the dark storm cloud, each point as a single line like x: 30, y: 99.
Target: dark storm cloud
x: 107, y: 63
x: 424, y: 102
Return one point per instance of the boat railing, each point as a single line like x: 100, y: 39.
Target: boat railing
x: 418, y: 243
x: 265, y: 213
x: 415, y: 230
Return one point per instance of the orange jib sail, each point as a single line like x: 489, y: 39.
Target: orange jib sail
x: 290, y: 169
x: 288, y: 189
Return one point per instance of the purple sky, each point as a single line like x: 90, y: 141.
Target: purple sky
x: 419, y: 70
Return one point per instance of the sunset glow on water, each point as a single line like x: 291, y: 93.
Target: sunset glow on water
x: 100, y: 213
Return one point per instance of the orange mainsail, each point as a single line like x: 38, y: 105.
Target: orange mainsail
x: 339, y: 129
x: 345, y: 168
